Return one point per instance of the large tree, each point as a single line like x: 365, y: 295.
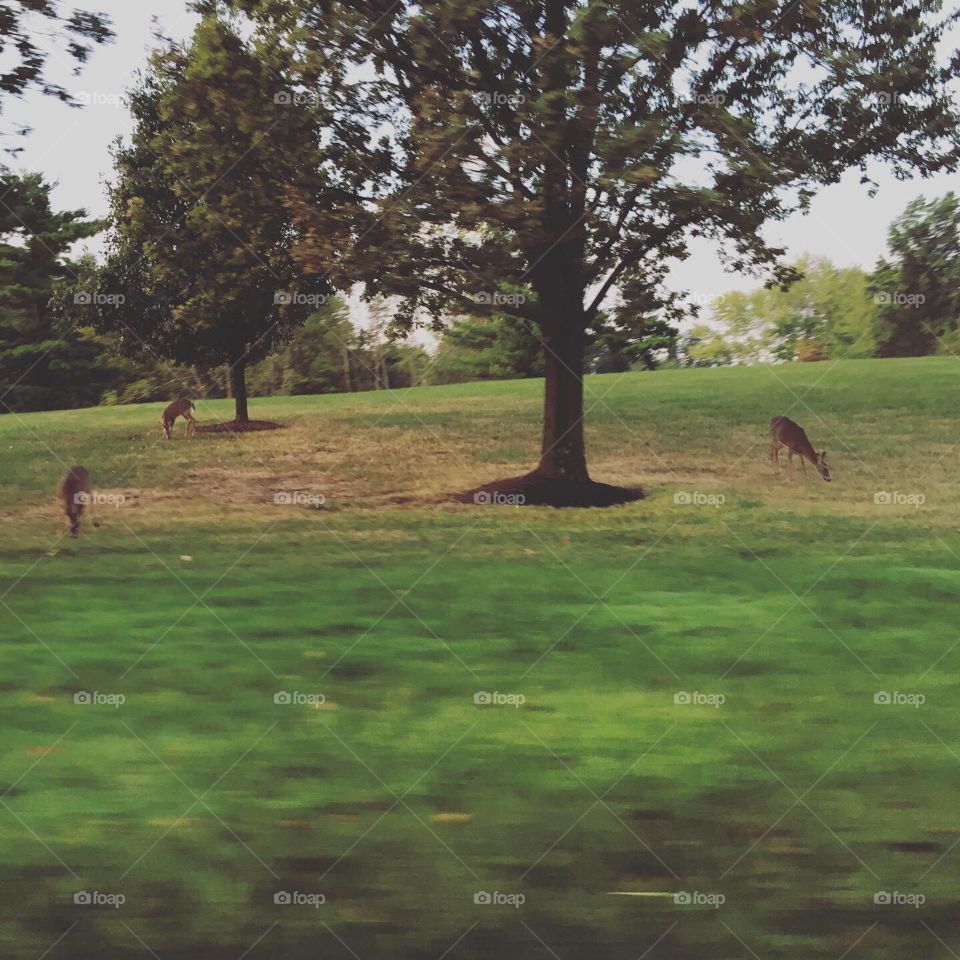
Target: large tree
x: 917, y: 287
x: 201, y: 247
x: 566, y: 149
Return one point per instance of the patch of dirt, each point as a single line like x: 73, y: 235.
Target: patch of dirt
x: 536, y: 489
x: 232, y: 426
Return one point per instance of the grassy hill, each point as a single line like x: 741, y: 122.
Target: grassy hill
x: 687, y: 687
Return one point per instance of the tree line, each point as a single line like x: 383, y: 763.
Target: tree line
x: 530, y: 166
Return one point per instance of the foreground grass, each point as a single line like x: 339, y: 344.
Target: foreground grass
x: 780, y: 608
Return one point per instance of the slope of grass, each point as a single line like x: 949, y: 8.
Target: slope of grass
x: 684, y: 691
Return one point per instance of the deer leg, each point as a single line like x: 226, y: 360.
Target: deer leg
x: 775, y: 455
x: 191, y: 425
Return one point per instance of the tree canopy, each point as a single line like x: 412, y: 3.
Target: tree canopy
x: 22, y: 25
x: 559, y: 152
x: 202, y: 241
x: 917, y: 287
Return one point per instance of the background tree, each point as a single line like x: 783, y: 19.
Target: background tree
x: 568, y: 148
x: 23, y: 23
x: 826, y: 314
x: 202, y: 241
x: 43, y: 364
x: 917, y: 289
x: 500, y: 347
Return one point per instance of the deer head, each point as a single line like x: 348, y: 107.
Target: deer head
x: 822, y: 465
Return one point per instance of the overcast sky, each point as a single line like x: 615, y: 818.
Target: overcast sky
x: 71, y: 147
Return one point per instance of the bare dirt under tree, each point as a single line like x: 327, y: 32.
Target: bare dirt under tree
x: 538, y: 489
x: 235, y: 426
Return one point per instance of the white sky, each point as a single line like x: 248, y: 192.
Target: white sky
x: 71, y: 147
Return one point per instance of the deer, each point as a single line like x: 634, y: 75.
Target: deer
x: 179, y: 408
x: 74, y: 495
x: 785, y: 433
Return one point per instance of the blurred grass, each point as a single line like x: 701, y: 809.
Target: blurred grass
x: 397, y: 797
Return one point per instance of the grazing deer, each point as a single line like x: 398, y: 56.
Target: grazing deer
x: 179, y: 408
x: 785, y: 433
x: 74, y: 495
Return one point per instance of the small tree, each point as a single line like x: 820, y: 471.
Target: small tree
x: 566, y: 149
x: 202, y: 241
x: 917, y: 289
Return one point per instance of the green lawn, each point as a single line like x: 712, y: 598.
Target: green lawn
x: 383, y: 786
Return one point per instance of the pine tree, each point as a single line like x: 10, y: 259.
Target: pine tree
x: 43, y: 366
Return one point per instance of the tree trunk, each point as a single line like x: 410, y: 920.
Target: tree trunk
x: 238, y: 387
x: 563, y: 453
x: 561, y: 479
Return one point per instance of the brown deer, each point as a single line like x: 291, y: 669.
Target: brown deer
x: 785, y: 433
x: 74, y: 495
x: 179, y: 408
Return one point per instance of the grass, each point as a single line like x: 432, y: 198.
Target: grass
x: 385, y: 787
